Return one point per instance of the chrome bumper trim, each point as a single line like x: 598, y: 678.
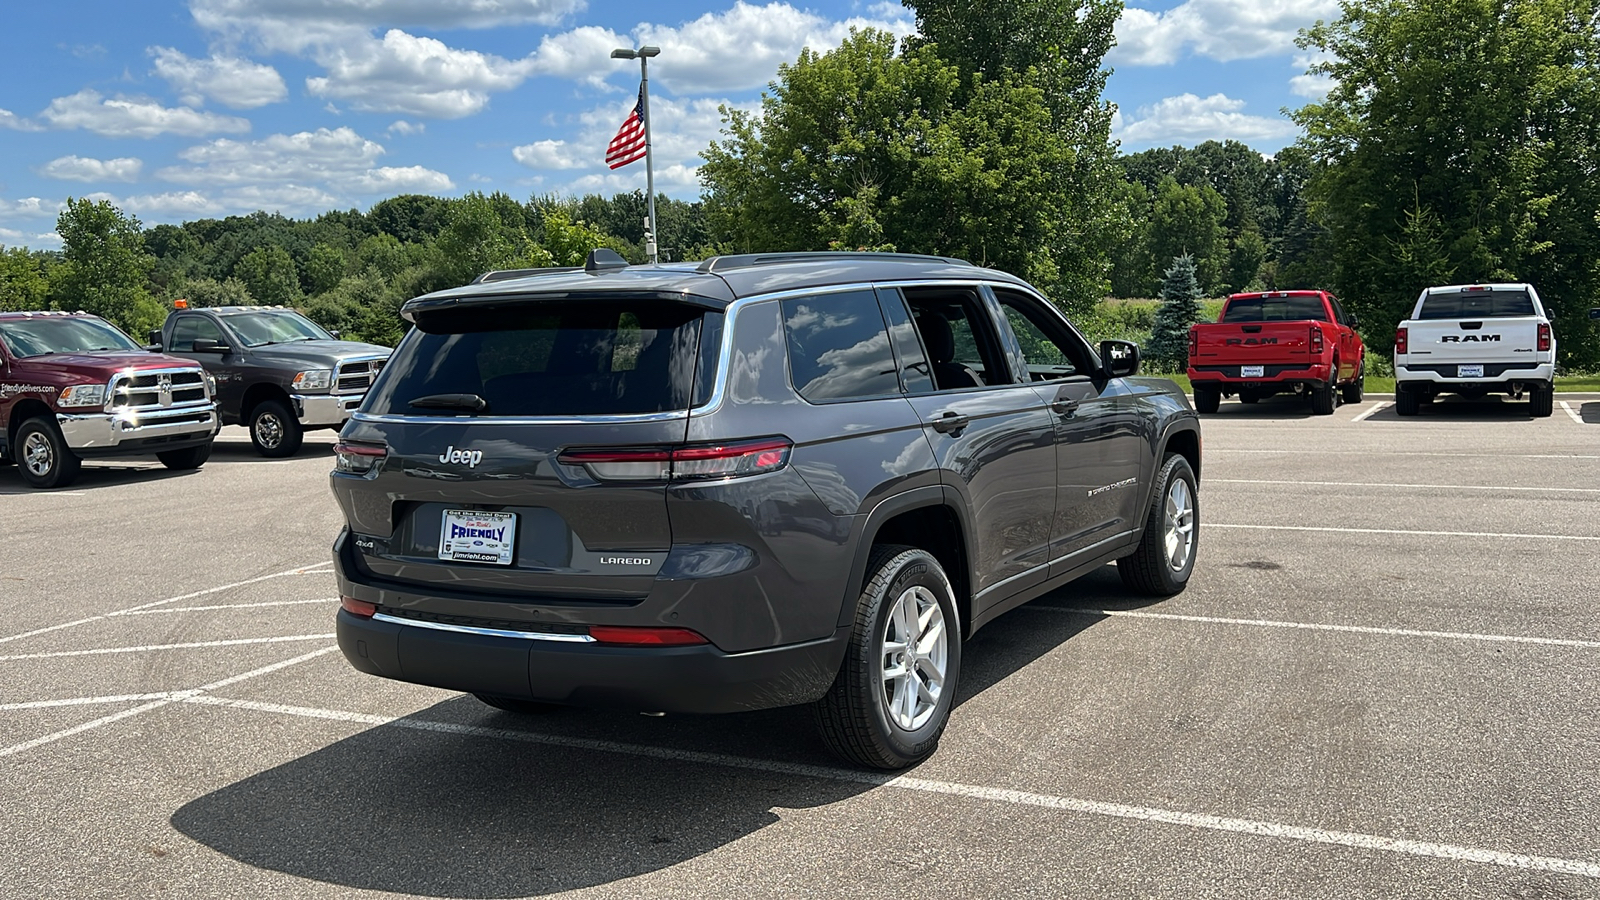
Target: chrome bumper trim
x: 487, y: 632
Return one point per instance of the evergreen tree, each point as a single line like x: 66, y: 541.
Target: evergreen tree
x: 1180, y: 308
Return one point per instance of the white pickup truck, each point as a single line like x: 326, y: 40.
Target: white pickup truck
x: 1473, y: 340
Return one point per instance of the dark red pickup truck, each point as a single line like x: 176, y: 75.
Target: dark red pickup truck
x: 1275, y: 342
x: 72, y: 386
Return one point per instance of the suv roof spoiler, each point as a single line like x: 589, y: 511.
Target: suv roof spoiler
x: 601, y: 260
x: 747, y: 260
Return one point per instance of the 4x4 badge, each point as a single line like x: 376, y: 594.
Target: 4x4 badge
x: 470, y: 457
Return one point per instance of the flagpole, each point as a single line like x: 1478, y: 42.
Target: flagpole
x: 649, y: 155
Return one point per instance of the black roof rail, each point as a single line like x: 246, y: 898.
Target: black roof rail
x: 747, y: 260
x: 508, y: 274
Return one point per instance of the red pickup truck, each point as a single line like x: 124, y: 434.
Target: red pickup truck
x: 1275, y: 342
x: 72, y: 386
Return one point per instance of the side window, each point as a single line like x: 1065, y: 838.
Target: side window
x: 839, y: 347
x: 1338, y: 310
x: 915, y: 373
x: 189, y: 328
x: 1050, y: 348
x: 963, y: 351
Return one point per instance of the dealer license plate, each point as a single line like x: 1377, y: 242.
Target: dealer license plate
x: 1252, y: 371
x: 1470, y: 371
x: 481, y: 537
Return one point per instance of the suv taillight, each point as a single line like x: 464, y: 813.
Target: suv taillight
x: 1316, y: 340
x: 1402, y: 340
x: 356, y: 459
x: 1544, y: 338
x: 697, y: 462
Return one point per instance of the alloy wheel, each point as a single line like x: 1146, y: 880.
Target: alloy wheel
x: 915, y: 655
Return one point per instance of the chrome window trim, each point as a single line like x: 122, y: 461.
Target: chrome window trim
x: 519, y: 420
x: 488, y: 632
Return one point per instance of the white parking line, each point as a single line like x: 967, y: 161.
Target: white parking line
x: 1380, y: 484
x: 1572, y: 412
x: 183, y: 609
x: 1180, y: 818
x: 172, y: 698
x: 1312, y: 626
x: 151, y: 647
x: 85, y: 701
x: 1477, y: 534
x: 1487, y: 454
x: 303, y: 570
x: 1375, y: 407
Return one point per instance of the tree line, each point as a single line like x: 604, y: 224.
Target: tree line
x: 1460, y: 142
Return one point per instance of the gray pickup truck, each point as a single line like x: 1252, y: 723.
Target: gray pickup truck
x: 277, y: 372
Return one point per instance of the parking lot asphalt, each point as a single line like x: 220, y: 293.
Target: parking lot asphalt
x: 1381, y: 682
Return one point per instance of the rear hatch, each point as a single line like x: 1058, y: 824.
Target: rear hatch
x: 464, y: 433
x: 1266, y: 330
x: 1472, y: 327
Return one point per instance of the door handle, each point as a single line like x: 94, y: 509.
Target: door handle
x: 1065, y: 406
x: 951, y: 423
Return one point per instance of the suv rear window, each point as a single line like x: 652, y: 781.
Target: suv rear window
x: 1476, y: 305
x: 1275, y: 309
x: 553, y: 359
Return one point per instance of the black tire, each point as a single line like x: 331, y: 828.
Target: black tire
x: 1325, y: 397
x: 1207, y: 400
x: 854, y: 717
x: 42, y: 455
x: 274, y: 430
x: 188, y: 458
x: 518, y: 705
x: 1406, y: 401
x: 1541, y: 401
x: 1150, y: 569
x: 1357, y: 389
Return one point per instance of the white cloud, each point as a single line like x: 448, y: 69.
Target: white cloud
x: 1309, y: 85
x: 12, y: 237
x: 1219, y: 29
x: 308, y: 171
x: 9, y: 119
x: 1187, y: 119
x: 406, y: 180
x: 176, y: 204
x: 135, y: 117
x: 231, y: 81
x: 31, y: 208
x: 547, y: 155
x: 406, y: 129
x: 292, y: 25
x: 78, y: 168
x: 416, y: 75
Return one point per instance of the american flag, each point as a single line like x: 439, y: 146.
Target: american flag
x: 629, y: 144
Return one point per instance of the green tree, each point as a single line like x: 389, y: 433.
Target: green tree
x: 22, y: 280
x: 325, y: 268
x: 1133, y: 266
x: 1482, y: 118
x: 1180, y: 308
x: 1187, y: 220
x: 270, y: 275
x: 104, y: 269
x: 478, y: 239
x: 204, y: 291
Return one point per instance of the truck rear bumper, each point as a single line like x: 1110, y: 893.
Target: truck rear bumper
x: 144, y: 431
x: 325, y: 410
x: 1493, y: 374
x: 1271, y: 375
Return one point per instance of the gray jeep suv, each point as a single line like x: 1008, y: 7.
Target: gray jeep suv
x: 750, y: 482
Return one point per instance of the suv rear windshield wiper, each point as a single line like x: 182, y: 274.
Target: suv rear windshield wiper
x: 469, y: 402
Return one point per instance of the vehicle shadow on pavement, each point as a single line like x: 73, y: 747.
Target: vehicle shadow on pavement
x: 421, y: 811
x: 93, y: 475
x: 1460, y: 409
x: 227, y: 451
x: 1281, y: 406
x: 1590, y: 413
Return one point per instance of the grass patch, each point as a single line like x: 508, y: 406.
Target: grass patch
x: 1379, y: 385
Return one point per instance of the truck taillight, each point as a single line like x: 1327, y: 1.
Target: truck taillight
x: 1194, y: 343
x: 1544, y: 338
x: 1402, y: 340
x: 698, y: 462
x: 1316, y: 340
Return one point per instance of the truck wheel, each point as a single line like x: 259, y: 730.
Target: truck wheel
x: 1406, y: 401
x: 43, y: 456
x: 517, y: 704
x: 1324, y: 399
x: 188, y: 458
x: 893, y: 695
x: 274, y: 430
x: 1161, y: 565
x: 1207, y: 399
x: 1355, y: 390
x: 1542, y: 401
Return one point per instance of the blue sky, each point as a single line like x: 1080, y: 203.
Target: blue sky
x: 184, y: 109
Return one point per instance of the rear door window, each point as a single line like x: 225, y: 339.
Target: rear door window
x: 1275, y: 309
x: 189, y: 328
x: 1477, y: 305
x: 839, y: 347
x: 592, y: 357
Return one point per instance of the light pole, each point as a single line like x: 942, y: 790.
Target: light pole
x: 643, y: 54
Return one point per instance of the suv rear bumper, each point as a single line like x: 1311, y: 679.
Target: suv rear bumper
x: 171, y: 428
x: 699, y: 679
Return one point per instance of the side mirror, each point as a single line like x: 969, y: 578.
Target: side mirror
x: 207, y: 345
x: 1354, y: 322
x: 154, y: 336
x: 334, y: 332
x: 1119, y: 359
x: 1594, y: 313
